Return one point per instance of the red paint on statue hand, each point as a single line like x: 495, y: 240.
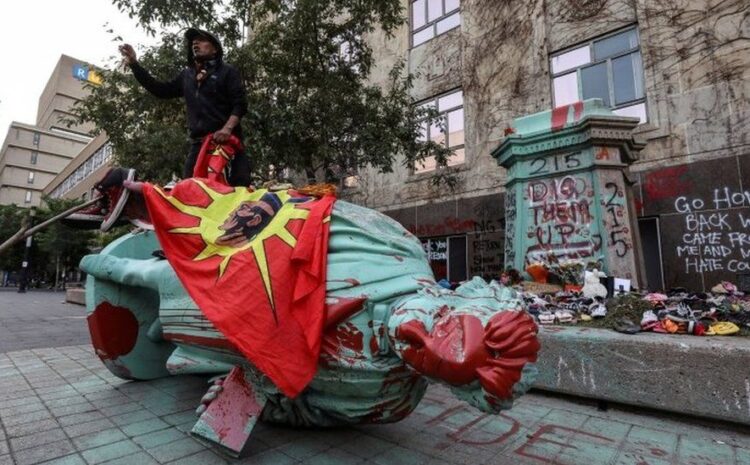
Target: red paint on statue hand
x: 114, y: 330
x: 451, y: 352
x: 511, y: 337
x: 459, y: 350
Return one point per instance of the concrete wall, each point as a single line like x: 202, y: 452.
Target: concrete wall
x: 696, y: 73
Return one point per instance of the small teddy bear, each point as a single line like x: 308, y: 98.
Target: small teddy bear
x: 592, y: 287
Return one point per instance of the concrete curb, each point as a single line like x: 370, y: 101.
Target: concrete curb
x: 702, y: 376
x: 76, y: 295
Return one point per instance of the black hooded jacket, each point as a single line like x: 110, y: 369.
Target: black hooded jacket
x: 209, y: 103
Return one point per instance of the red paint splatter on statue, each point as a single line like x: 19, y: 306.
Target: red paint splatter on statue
x: 339, y: 309
x: 344, y: 343
x: 214, y: 342
x: 114, y: 330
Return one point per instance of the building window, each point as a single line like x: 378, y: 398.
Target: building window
x: 30, y: 179
x: 34, y: 157
x: 447, y: 257
x: 37, y: 137
x: 609, y: 68
x: 430, y: 18
x: 28, y: 197
x: 449, y: 130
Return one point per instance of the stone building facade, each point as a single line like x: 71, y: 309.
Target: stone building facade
x: 682, y: 66
x: 32, y: 155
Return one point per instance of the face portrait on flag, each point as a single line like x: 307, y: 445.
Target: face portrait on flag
x: 249, y: 218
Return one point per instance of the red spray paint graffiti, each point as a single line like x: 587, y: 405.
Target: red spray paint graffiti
x: 666, y: 183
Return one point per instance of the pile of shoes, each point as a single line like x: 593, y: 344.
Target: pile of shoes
x: 722, y: 311
x: 564, y: 307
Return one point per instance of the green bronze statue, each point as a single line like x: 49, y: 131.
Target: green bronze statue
x: 389, y: 330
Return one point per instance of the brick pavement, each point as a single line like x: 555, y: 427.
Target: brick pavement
x: 39, y: 319
x: 61, y: 406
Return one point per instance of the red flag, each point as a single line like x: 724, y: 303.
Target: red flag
x: 255, y: 264
x: 214, y: 157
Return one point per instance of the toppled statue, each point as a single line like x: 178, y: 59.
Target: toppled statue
x: 387, y: 330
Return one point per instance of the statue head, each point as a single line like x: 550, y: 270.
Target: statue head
x: 476, y: 339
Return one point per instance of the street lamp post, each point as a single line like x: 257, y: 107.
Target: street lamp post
x: 26, y: 255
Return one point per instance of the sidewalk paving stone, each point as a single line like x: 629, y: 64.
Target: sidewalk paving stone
x: 37, y: 439
x: 79, y: 429
x: 143, y: 427
x: 74, y: 459
x: 43, y: 453
x: 111, y: 451
x: 139, y: 458
x: 29, y: 428
x: 92, y: 417
x: 158, y: 438
x: 176, y: 450
x: 206, y: 457
x: 100, y: 438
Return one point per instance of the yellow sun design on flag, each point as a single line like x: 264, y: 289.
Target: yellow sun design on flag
x: 216, y: 213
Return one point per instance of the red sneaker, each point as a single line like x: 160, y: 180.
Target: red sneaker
x: 112, y: 199
x: 115, y: 194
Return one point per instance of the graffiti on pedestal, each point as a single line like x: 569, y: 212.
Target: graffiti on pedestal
x: 616, y: 224
x: 510, y: 225
x: 560, y: 219
x: 716, y: 232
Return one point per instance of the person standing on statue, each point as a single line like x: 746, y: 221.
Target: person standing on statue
x: 214, y: 96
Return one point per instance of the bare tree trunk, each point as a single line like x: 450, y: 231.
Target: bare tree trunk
x: 25, y: 231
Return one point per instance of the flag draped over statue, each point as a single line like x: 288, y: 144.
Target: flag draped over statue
x: 254, y: 262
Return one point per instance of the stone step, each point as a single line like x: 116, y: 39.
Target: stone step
x: 702, y: 376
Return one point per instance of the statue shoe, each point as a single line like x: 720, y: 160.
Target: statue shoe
x: 112, y: 198
x: 117, y: 196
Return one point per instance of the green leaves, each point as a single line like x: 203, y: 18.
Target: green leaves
x: 306, y: 66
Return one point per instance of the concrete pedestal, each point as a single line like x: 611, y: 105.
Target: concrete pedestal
x: 567, y: 190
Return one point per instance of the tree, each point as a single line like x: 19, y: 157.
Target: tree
x: 306, y: 69
x: 59, y: 245
x: 11, y: 218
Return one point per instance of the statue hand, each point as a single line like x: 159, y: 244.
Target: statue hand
x: 451, y: 352
x: 211, y: 395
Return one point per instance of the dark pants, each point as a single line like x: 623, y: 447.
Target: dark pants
x: 239, y: 172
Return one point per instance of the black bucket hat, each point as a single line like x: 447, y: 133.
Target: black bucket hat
x: 192, y: 33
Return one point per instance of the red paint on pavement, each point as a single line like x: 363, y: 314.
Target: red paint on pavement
x: 544, y: 429
x: 114, y: 330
